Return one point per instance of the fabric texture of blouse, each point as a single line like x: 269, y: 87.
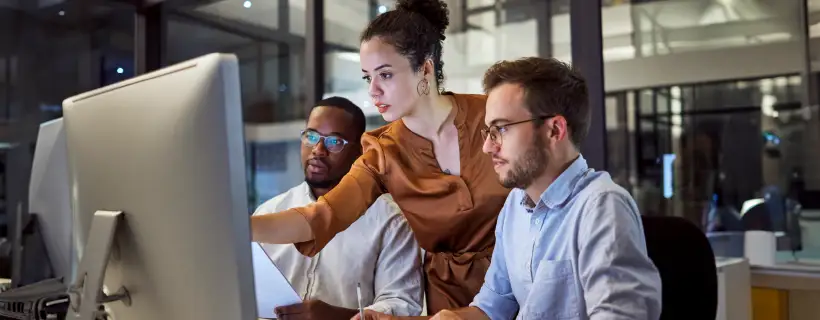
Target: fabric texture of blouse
x: 453, y: 217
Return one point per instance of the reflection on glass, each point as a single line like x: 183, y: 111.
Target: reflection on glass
x: 668, y: 188
x: 729, y: 138
x: 634, y: 29
x: 48, y: 54
x: 262, y: 36
x: 50, y: 51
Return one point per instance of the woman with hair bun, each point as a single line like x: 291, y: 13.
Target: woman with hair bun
x: 429, y: 158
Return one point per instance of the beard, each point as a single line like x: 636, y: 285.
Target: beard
x: 335, y: 173
x: 325, y: 182
x: 527, y: 167
x: 322, y: 184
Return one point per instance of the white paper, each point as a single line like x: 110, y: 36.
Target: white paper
x: 272, y: 289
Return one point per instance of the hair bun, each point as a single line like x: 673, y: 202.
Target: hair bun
x: 434, y: 11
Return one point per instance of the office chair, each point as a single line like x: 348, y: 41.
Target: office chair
x: 686, y: 264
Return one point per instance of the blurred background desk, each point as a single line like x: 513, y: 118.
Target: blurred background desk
x: 789, y: 290
x: 734, y: 289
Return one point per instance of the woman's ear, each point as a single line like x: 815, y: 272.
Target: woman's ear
x: 428, y: 68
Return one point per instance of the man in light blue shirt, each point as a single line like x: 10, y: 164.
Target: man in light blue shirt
x: 569, y: 241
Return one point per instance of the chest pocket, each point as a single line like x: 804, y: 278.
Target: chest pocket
x: 553, y: 294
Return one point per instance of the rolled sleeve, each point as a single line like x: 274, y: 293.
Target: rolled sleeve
x: 496, y: 297
x: 619, y: 279
x: 385, y: 307
x: 397, y: 284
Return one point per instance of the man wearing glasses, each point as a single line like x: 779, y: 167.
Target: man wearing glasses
x: 569, y: 241
x: 378, y: 251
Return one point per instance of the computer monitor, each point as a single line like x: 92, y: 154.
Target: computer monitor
x: 156, y: 164
x: 49, y: 198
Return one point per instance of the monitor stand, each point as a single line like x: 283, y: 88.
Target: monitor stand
x: 86, y: 293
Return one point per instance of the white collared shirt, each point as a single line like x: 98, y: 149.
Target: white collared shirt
x: 378, y: 251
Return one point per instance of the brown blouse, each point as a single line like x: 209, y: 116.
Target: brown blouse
x: 453, y: 217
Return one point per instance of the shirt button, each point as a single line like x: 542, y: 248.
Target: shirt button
x: 537, y: 221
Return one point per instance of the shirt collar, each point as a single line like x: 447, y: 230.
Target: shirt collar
x: 306, y: 191
x: 424, y: 145
x: 560, y: 190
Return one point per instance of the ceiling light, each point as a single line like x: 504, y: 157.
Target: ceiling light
x: 247, y: 4
x: 382, y: 9
x: 120, y: 70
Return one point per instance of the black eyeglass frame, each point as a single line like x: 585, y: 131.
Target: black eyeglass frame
x: 500, y: 129
x: 302, y: 138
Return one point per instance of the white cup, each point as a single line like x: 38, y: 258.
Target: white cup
x: 760, y: 247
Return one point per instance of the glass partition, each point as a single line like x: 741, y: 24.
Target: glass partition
x: 649, y: 28
x: 693, y: 147
x: 49, y: 51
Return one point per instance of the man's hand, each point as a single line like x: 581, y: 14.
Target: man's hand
x: 446, y: 315
x: 373, y: 315
x: 313, y: 310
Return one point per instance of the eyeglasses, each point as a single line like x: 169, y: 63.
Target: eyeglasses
x: 334, y: 144
x: 495, y: 132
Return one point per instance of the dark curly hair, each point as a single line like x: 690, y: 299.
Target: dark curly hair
x: 416, y: 29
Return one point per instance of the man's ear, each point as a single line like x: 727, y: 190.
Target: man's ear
x: 557, y: 128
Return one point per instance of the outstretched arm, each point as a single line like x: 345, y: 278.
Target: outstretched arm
x: 288, y: 226
x: 312, y: 227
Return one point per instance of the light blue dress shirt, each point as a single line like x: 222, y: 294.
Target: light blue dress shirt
x: 578, y: 253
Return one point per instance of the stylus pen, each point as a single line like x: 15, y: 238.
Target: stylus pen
x: 359, y: 297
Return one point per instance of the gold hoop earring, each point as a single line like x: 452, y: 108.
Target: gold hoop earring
x: 423, y: 88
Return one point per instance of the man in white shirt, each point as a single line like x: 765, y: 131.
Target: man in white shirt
x: 378, y: 250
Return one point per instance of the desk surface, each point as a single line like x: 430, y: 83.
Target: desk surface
x: 792, y: 275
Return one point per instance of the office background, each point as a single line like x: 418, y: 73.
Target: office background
x: 727, y: 87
